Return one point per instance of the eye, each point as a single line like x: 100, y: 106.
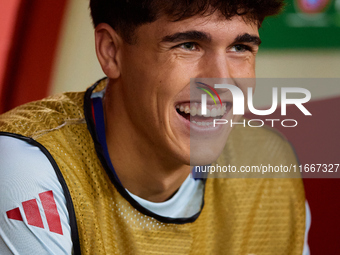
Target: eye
x: 240, y: 48
x: 189, y: 46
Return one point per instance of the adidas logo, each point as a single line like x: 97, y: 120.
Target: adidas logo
x: 33, y: 216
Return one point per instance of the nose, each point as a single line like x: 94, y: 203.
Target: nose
x: 215, y: 68
x: 216, y: 65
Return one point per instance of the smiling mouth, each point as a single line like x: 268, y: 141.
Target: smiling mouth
x: 192, y: 112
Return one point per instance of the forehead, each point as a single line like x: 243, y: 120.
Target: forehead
x: 215, y: 25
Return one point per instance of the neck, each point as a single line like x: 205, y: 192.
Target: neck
x: 142, y: 168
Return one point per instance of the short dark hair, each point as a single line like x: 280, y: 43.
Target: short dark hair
x: 126, y: 15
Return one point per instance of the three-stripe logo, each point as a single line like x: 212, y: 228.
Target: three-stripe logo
x: 33, y: 216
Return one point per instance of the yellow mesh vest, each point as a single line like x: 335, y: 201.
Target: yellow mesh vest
x: 240, y: 216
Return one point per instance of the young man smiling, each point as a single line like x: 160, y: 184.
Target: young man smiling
x: 108, y: 171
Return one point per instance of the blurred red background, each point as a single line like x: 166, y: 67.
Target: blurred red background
x: 29, y: 32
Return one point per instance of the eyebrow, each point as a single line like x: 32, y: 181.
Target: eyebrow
x: 247, y: 38
x: 192, y: 35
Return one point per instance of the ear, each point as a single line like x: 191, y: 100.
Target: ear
x: 107, y: 47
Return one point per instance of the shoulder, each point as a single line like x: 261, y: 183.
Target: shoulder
x: 34, y: 216
x: 259, y: 136
x: 44, y: 114
x: 259, y: 145
x: 258, y: 152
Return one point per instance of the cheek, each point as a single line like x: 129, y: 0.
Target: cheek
x: 155, y: 80
x: 243, y: 68
x: 150, y: 91
x: 173, y: 76
x: 138, y: 77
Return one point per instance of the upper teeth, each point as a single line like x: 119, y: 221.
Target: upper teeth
x: 195, y: 109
